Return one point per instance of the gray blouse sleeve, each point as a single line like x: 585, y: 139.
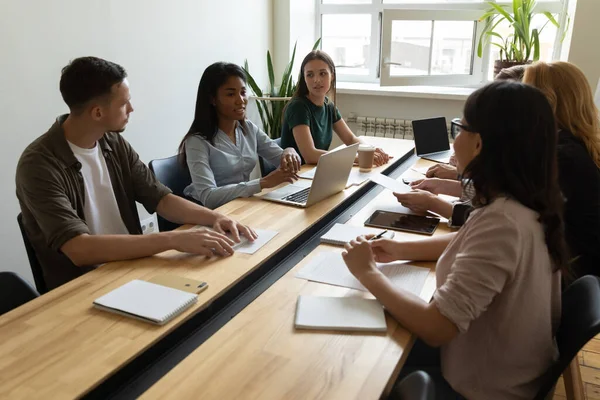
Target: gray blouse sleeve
x: 266, y: 147
x: 204, y: 187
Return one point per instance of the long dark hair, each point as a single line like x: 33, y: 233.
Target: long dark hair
x: 518, y: 155
x: 206, y: 120
x: 302, y: 88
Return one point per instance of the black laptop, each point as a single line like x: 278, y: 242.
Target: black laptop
x: 431, y: 139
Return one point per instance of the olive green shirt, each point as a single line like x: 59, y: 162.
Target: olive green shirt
x: 51, y: 193
x: 320, y: 120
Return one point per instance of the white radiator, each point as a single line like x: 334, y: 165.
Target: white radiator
x: 386, y: 127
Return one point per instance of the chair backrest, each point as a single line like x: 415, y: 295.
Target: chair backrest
x: 174, y: 176
x: 266, y: 167
x: 34, y: 264
x: 580, y: 322
x: 14, y: 291
x: 416, y: 386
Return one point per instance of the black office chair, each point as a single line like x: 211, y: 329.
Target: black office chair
x: 580, y: 322
x: 34, y: 264
x: 174, y: 176
x: 266, y: 167
x: 14, y: 291
x: 416, y: 386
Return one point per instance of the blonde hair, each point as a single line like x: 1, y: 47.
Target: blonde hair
x: 570, y: 96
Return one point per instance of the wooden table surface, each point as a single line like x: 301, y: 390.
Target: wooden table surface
x: 59, y: 346
x: 259, y: 354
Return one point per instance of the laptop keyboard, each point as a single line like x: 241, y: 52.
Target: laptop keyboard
x: 298, y: 197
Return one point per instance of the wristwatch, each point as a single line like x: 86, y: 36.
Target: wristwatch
x: 460, y: 213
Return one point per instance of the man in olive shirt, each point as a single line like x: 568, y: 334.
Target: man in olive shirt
x: 78, y: 183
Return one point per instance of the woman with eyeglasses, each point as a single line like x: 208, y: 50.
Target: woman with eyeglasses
x: 445, y: 179
x: 497, y: 305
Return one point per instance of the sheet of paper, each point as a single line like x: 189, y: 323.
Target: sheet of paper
x: 357, y: 178
x: 391, y: 184
x: 247, y: 247
x: 329, y: 267
x: 310, y: 174
x: 420, y: 170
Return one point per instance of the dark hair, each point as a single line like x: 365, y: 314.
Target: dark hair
x: 206, y: 120
x: 87, y: 78
x: 518, y: 155
x: 302, y: 88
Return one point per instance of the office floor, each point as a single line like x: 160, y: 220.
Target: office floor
x: 589, y: 362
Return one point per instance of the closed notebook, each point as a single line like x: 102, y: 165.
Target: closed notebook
x: 340, y: 313
x: 146, y: 301
x: 340, y: 234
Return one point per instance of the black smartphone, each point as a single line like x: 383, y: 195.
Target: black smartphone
x: 403, y: 222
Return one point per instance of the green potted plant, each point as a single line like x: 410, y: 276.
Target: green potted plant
x: 271, y: 110
x: 522, y: 45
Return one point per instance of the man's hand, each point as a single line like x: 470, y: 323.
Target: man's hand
x: 225, y: 224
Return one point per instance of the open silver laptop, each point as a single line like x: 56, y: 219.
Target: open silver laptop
x: 331, y: 177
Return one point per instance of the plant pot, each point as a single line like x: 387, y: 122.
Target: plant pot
x: 499, y: 65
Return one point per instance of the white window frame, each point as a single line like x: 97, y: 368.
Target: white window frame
x: 382, y: 16
x: 477, y: 64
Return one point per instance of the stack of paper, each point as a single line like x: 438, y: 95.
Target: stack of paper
x: 329, y: 267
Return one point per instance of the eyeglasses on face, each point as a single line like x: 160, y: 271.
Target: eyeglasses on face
x: 456, y: 126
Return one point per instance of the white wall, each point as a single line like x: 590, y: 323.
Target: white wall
x: 294, y: 22
x: 164, y: 45
x: 397, y: 107
x: 583, y: 50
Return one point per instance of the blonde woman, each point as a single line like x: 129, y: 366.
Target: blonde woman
x: 570, y: 96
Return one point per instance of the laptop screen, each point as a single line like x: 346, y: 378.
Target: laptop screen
x: 431, y: 135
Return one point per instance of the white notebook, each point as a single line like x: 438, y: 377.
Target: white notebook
x: 340, y: 234
x: 146, y: 301
x: 340, y: 313
x: 330, y: 268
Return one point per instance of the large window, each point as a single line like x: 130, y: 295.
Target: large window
x: 411, y: 42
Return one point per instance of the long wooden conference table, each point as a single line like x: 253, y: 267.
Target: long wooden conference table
x: 260, y: 355
x: 59, y: 346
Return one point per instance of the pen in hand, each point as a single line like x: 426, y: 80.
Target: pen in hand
x: 378, y: 236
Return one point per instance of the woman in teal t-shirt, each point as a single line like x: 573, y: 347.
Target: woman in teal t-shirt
x: 311, y: 117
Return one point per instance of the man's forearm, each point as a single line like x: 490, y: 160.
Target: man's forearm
x: 86, y: 249
x: 181, y: 211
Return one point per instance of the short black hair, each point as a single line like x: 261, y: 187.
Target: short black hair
x: 86, y: 78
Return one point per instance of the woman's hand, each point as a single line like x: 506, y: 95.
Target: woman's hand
x: 290, y: 161
x: 278, y: 177
x: 450, y: 187
x: 443, y: 171
x: 381, y: 157
x: 386, y: 250
x: 419, y: 201
x: 359, y: 258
